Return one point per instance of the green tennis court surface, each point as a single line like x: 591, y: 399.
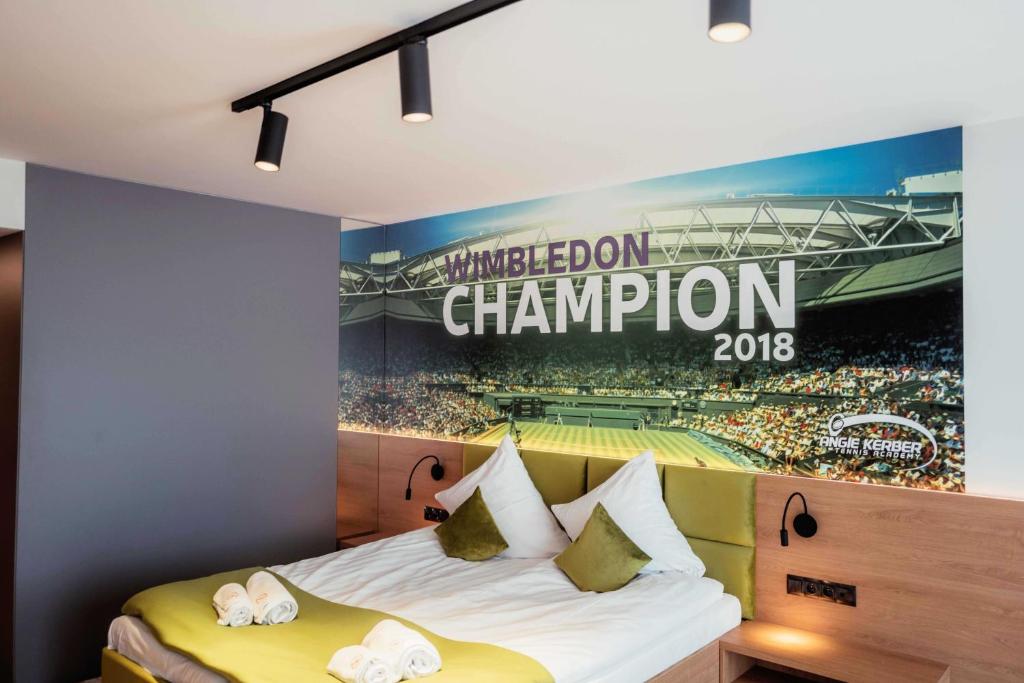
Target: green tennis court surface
x: 669, y: 447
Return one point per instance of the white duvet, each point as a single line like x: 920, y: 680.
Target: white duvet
x: 528, y: 606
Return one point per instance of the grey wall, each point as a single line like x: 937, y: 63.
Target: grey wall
x: 178, y: 409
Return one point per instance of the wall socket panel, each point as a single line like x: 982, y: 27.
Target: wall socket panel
x: 432, y: 514
x: 839, y: 593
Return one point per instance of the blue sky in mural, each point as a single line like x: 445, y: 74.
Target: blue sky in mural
x: 357, y: 245
x: 871, y: 168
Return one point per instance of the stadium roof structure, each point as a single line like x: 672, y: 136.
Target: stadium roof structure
x: 828, y: 237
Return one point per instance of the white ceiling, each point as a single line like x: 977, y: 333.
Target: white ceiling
x: 543, y: 97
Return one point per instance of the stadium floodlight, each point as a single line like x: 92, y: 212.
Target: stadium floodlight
x: 271, y: 143
x: 728, y: 20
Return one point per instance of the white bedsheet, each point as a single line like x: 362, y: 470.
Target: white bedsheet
x: 528, y: 606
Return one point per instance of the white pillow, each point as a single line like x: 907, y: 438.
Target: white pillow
x: 632, y: 496
x: 513, y: 501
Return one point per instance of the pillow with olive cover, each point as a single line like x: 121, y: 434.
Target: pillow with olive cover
x: 470, y: 532
x: 602, y: 558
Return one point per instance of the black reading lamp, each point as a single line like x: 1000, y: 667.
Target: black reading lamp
x: 803, y: 524
x: 436, y: 471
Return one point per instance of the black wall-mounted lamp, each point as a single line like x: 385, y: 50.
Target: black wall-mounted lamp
x: 803, y: 524
x: 436, y: 471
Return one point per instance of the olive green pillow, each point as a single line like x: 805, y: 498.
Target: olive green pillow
x: 470, y: 533
x: 602, y: 558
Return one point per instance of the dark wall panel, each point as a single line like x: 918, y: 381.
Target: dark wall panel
x: 10, y: 370
x: 178, y: 401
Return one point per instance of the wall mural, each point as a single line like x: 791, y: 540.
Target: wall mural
x: 799, y: 315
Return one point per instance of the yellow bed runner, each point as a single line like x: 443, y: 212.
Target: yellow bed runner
x: 182, y: 618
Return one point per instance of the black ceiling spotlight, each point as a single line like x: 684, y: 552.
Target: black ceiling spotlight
x: 436, y: 473
x: 414, y: 71
x: 271, y: 143
x: 728, y: 20
x: 803, y: 524
x: 414, y: 78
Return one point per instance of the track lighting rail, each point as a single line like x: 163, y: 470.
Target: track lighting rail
x: 378, y: 48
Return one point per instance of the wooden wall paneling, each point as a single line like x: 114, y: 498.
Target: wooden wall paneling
x: 11, y: 267
x: 938, y: 575
x: 398, y: 454
x: 357, y: 483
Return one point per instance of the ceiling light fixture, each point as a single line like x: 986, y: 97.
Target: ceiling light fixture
x: 728, y: 20
x: 271, y: 143
x: 414, y: 73
x: 414, y: 78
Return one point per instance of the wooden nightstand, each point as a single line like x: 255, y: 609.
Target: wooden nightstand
x: 361, y: 539
x: 816, y: 657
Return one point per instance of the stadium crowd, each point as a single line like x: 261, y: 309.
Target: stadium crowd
x: 789, y: 436
x: 408, y: 405
x: 437, y: 385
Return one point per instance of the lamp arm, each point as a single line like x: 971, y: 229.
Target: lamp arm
x: 783, y: 533
x: 408, y: 485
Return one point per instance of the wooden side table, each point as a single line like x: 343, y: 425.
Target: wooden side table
x: 357, y: 540
x: 757, y: 651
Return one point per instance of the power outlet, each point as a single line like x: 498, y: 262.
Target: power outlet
x: 839, y: 593
x: 432, y: 514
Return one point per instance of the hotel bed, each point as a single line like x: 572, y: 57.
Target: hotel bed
x: 528, y: 606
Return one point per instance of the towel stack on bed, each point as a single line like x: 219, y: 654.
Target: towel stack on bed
x: 272, y: 604
x: 389, y: 653
x: 233, y: 605
x: 263, y: 600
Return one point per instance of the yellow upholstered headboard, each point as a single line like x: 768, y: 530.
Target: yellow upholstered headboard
x: 713, y: 508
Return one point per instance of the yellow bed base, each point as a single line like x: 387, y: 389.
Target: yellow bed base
x: 115, y: 668
x: 715, y: 509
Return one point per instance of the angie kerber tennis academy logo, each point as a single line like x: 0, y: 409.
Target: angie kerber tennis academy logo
x: 898, y: 441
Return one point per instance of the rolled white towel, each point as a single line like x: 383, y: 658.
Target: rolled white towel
x: 272, y: 603
x: 358, y: 664
x: 408, y: 652
x: 234, y: 608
